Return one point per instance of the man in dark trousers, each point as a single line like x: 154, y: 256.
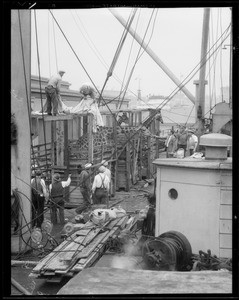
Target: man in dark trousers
x: 182, y: 139
x: 85, y: 186
x: 56, y: 189
x: 101, y: 187
x: 52, y: 90
x: 39, y: 193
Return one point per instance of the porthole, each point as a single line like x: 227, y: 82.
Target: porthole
x: 173, y: 194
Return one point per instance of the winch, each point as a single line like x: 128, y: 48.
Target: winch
x: 171, y: 251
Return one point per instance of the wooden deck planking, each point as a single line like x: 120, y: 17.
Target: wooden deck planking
x: 105, y: 280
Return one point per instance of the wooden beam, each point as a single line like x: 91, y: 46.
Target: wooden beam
x: 53, y: 135
x: 127, y: 149
x: 59, y: 143
x: 90, y: 137
x: 114, y: 150
x: 66, y: 157
x: 149, y: 168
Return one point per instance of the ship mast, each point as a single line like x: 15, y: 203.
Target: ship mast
x: 200, y: 84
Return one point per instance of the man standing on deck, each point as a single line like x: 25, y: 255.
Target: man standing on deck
x: 101, y: 187
x: 85, y: 185
x: 172, y: 144
x: 52, y: 90
x: 56, y: 190
x: 192, y: 142
x: 108, y: 173
x: 39, y: 194
x: 182, y: 139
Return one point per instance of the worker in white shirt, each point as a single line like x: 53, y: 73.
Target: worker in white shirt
x: 108, y: 173
x: 192, y: 142
x: 101, y: 187
x: 53, y: 90
x: 39, y: 194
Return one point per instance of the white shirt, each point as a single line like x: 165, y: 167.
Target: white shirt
x: 55, y: 81
x: 99, y: 178
x: 108, y: 173
x: 63, y: 183
x: 192, y: 142
x: 42, y: 181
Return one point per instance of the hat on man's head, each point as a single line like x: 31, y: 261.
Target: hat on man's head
x: 61, y: 71
x: 56, y: 177
x: 101, y: 169
x: 191, y: 130
x: 104, y: 163
x: 38, y: 172
x: 87, y: 166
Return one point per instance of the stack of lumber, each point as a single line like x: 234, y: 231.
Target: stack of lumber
x: 79, y: 250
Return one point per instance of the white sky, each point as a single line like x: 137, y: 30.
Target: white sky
x: 176, y: 40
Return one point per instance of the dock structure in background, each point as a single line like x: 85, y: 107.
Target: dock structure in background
x: 70, y: 141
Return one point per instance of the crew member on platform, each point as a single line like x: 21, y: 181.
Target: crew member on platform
x: 56, y: 190
x: 53, y: 90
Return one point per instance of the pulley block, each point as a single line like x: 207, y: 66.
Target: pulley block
x: 47, y: 226
x: 68, y: 228
x: 36, y: 236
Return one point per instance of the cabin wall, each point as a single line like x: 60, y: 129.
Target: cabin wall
x: 202, y: 210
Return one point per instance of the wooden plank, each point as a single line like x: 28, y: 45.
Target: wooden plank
x: 225, y: 226
x: 61, y: 261
x: 59, y: 143
x: 85, y: 239
x: 50, y: 256
x: 66, y: 157
x: 75, y: 258
x: 225, y: 211
x: 90, y: 137
x: 98, y: 250
x: 127, y: 170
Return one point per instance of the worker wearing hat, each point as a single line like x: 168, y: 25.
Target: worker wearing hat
x: 53, y: 90
x: 39, y: 194
x: 85, y: 186
x: 56, y: 189
x: 101, y: 187
x: 108, y: 173
x: 192, y: 141
x: 182, y: 139
x: 87, y: 90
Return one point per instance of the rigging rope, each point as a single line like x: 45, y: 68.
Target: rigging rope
x: 55, y: 45
x: 139, y: 55
x: 117, y: 53
x: 48, y: 26
x: 38, y: 59
x: 127, y: 64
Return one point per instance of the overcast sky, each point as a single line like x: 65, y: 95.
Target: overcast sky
x: 174, y: 35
